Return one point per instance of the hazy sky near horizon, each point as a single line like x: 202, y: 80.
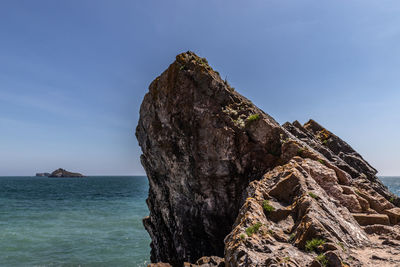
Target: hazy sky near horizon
x: 73, y: 73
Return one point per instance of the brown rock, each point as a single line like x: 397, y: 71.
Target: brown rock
x: 212, y: 261
x: 333, y: 259
x: 309, y: 217
x: 339, y: 153
x: 315, y: 263
x: 382, y: 230
x: 214, y: 160
x: 394, y: 215
x: 369, y: 219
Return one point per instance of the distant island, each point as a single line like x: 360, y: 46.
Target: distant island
x: 60, y: 173
x: 43, y: 174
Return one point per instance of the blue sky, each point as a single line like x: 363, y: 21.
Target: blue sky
x: 73, y: 73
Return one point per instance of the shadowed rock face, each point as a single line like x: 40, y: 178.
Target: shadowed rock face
x: 213, y: 160
x: 202, y: 144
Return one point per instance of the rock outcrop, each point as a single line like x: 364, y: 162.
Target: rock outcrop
x: 226, y: 180
x: 63, y: 173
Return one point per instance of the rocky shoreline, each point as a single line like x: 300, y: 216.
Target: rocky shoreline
x: 229, y: 186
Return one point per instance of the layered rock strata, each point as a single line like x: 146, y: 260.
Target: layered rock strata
x: 226, y: 180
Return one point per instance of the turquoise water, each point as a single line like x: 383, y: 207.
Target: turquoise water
x: 94, y: 221
x: 393, y: 183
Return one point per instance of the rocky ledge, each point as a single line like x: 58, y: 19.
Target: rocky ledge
x: 229, y: 186
x: 63, y: 173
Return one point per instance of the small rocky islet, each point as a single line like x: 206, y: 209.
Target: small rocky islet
x: 59, y: 173
x: 229, y: 186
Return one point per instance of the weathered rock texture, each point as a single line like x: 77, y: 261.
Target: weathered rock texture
x: 227, y: 180
x: 201, y: 148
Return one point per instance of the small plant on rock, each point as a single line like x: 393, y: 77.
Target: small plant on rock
x: 341, y: 245
x: 242, y: 237
x: 291, y: 237
x: 313, y: 244
x: 321, y: 258
x: 391, y: 200
x: 267, y: 207
x: 311, y: 194
x: 253, y: 229
x: 321, y: 161
x: 253, y: 117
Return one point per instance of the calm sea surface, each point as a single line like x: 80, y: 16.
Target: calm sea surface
x: 95, y: 221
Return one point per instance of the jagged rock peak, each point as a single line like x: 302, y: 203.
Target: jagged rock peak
x: 227, y: 180
x: 202, y: 144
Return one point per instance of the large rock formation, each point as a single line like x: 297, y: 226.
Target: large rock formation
x: 202, y: 144
x: 227, y: 180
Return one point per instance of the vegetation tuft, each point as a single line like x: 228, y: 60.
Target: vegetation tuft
x: 313, y: 244
x: 253, y: 117
x: 253, y: 229
x: 267, y: 207
x: 321, y: 258
x: 311, y: 194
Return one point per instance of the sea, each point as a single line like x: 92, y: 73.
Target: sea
x: 92, y: 221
